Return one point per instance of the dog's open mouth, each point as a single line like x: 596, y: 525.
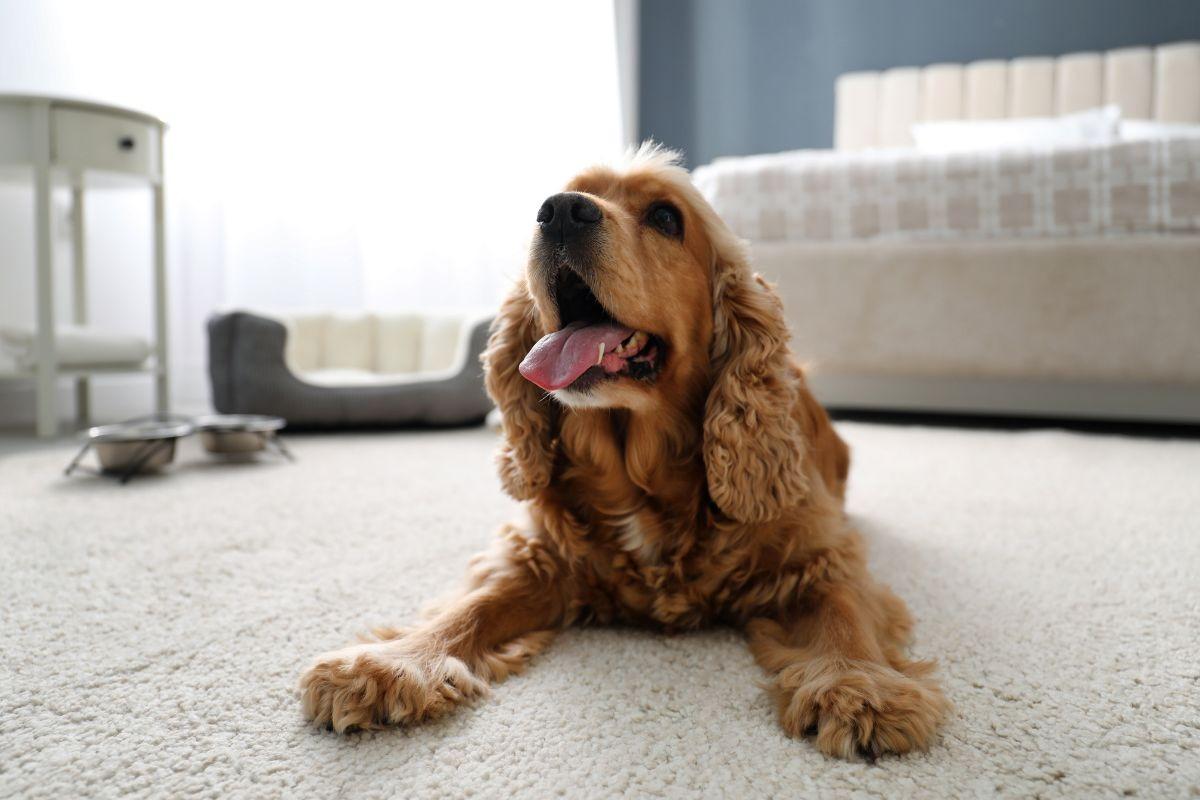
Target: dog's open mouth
x: 591, y: 345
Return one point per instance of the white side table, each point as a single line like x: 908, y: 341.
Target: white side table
x: 60, y: 139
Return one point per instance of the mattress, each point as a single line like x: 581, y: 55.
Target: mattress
x: 826, y: 195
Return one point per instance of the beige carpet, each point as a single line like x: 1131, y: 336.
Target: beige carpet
x: 151, y: 634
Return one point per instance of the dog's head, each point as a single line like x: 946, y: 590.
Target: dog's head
x: 638, y: 296
x: 620, y: 273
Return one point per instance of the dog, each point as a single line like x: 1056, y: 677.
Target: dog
x: 677, y: 473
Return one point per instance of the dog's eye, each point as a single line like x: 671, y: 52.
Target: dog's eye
x: 666, y: 218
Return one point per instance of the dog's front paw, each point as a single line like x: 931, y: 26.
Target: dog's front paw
x: 860, y: 707
x: 385, y: 683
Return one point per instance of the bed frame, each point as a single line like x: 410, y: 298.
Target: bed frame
x: 878, y: 109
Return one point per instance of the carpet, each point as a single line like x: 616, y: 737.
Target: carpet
x: 152, y: 634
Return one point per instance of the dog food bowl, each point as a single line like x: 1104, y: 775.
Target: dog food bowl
x: 237, y: 434
x: 128, y: 448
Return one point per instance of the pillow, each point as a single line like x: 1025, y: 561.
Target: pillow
x: 77, y: 346
x: 1137, y: 130
x: 1093, y: 127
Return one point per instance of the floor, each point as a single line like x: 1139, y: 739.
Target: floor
x: 152, y: 634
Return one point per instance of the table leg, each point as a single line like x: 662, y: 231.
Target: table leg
x: 83, y: 411
x: 161, y: 384
x: 47, y: 358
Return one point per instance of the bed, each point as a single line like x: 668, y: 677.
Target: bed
x: 1047, y: 280
x: 331, y: 370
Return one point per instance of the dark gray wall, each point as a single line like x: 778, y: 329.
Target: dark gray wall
x: 732, y: 77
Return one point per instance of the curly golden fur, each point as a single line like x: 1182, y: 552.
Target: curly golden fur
x: 710, y: 494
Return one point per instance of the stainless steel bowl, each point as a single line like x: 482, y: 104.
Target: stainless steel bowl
x: 139, y: 446
x: 237, y: 434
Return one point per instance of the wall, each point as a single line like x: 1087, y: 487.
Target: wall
x: 733, y: 78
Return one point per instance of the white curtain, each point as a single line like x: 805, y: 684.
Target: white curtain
x: 340, y: 154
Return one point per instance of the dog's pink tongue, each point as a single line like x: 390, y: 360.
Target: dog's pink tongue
x: 560, y: 357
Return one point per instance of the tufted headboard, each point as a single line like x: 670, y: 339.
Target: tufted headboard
x: 877, y: 109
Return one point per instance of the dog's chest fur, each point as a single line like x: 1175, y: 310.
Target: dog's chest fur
x: 667, y: 559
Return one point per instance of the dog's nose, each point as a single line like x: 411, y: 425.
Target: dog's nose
x: 568, y: 213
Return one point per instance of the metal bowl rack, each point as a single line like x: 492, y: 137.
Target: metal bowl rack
x: 147, y: 444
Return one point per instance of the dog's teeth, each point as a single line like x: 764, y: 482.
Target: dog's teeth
x: 631, y: 345
x: 600, y: 358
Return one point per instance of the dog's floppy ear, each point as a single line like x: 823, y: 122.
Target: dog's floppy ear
x: 753, y: 449
x: 525, y: 458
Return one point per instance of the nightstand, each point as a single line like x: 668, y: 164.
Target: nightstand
x: 66, y: 140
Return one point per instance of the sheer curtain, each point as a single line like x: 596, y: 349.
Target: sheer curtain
x: 341, y: 154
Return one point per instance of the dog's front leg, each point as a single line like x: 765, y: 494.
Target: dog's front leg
x: 838, y: 671
x: 516, y: 597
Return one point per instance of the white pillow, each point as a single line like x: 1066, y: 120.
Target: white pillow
x: 1092, y: 127
x: 1137, y: 130
x: 77, y: 346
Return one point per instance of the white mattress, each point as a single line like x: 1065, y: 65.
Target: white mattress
x: 826, y: 195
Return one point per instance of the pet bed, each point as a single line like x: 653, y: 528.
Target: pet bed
x: 338, y: 370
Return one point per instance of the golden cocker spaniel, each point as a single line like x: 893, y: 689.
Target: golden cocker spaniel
x: 677, y: 473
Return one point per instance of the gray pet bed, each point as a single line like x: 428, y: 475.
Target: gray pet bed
x: 322, y: 371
